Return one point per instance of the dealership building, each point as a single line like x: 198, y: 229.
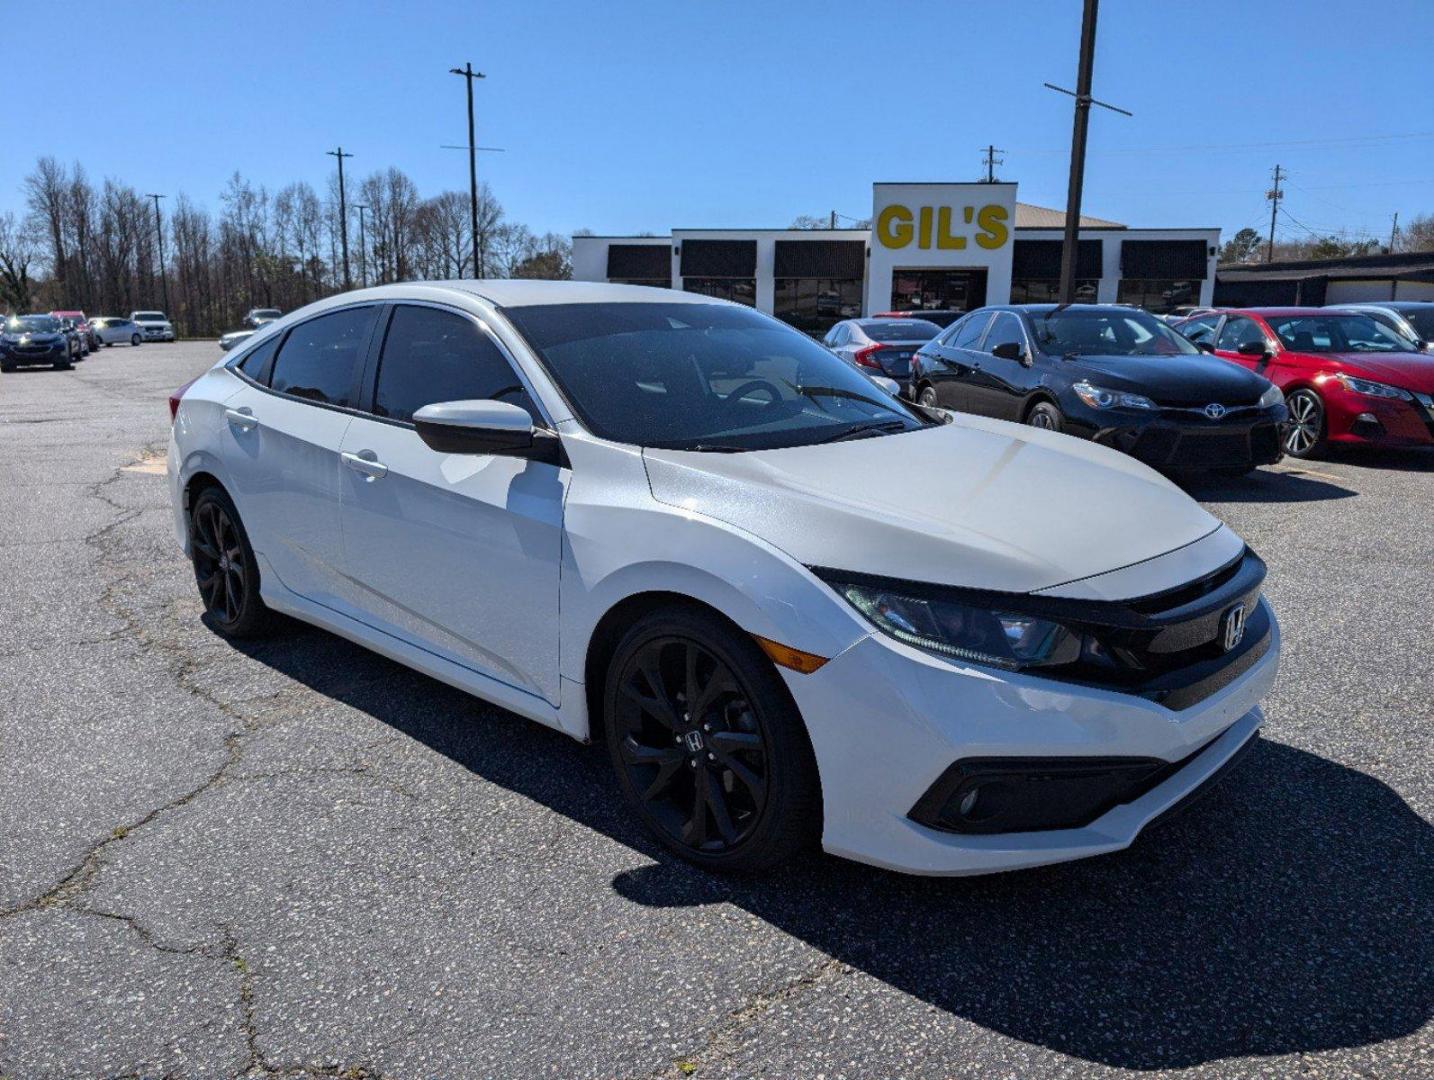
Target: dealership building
x: 931, y: 245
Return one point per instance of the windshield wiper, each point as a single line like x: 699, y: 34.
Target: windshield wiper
x: 715, y: 448
x: 859, y: 430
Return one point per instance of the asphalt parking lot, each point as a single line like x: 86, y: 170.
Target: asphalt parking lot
x: 301, y: 859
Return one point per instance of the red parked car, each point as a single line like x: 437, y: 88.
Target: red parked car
x: 1346, y: 378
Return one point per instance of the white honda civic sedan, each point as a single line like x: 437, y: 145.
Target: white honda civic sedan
x: 795, y: 608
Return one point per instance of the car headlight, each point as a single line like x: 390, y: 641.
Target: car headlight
x: 1004, y: 639
x: 1097, y: 397
x: 1372, y: 389
x: 1271, y: 397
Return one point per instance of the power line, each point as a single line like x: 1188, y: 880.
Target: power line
x: 1263, y: 145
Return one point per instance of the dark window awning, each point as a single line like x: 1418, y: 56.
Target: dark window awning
x: 1164, y: 259
x: 639, y: 261
x: 1042, y: 259
x: 821, y: 259
x: 719, y: 258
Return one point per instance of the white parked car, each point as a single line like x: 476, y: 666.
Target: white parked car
x: 112, y: 330
x: 153, y: 325
x: 233, y: 338
x: 793, y: 607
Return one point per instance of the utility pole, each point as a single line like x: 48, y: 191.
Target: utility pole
x: 159, y: 231
x: 468, y: 76
x: 343, y: 215
x: 1274, y: 195
x: 992, y: 161
x: 833, y: 223
x: 1394, y: 232
x: 363, y: 245
x: 1083, y: 102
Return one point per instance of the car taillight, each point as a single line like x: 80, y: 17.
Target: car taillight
x: 175, y: 397
x: 867, y: 357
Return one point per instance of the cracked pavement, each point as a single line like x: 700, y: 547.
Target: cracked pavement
x: 296, y: 858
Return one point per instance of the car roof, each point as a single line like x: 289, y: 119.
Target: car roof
x: 520, y: 292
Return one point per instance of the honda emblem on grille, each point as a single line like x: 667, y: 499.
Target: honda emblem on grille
x: 1233, y: 630
x: 1214, y: 410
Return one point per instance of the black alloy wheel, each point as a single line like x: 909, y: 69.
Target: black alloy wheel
x: 1045, y: 416
x: 1304, y: 435
x: 224, y: 567
x: 707, y: 745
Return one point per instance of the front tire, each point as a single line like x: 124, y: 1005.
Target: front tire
x: 1306, y: 434
x: 225, y: 568
x: 134, y: 339
x: 708, y: 746
x: 1045, y: 416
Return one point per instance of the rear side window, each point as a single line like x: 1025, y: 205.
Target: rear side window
x: 319, y: 357
x: 432, y: 355
x: 968, y: 330
x: 256, y: 363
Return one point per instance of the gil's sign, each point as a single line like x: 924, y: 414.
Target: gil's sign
x: 945, y: 228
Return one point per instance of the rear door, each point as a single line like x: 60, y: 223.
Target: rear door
x: 455, y: 553
x: 956, y: 356
x: 285, y: 429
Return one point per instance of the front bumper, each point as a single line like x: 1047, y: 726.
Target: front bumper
x: 887, y: 722
x: 1170, y: 439
x: 1359, y: 419
x: 150, y: 334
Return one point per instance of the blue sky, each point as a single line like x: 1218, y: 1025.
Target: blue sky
x: 628, y: 115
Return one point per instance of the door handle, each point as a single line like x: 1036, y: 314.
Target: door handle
x: 365, y: 462
x: 244, y: 419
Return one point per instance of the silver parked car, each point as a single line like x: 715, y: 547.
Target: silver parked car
x: 112, y: 329
x: 880, y: 346
x: 1412, y: 319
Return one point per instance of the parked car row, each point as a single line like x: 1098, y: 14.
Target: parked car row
x: 62, y: 338
x: 253, y: 320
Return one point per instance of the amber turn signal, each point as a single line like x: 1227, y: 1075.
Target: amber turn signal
x: 788, y: 657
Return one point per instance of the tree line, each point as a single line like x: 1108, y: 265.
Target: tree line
x: 1249, y: 245
x: 97, y: 247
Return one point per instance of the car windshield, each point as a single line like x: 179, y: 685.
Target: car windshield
x: 1337, y: 334
x: 695, y: 376
x: 149, y: 316
x: 900, y: 330
x: 43, y: 324
x: 1097, y: 332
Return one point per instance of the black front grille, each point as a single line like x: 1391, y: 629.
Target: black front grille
x: 1206, y: 447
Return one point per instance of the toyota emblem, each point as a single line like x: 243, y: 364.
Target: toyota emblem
x: 1214, y: 410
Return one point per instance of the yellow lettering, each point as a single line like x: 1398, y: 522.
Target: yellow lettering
x: 944, y: 240
x: 992, y: 220
x: 893, y: 226
x: 924, y: 239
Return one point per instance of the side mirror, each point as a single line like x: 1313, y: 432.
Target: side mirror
x: 1010, y: 350
x: 475, y: 427
x: 1253, y: 348
x: 891, y: 386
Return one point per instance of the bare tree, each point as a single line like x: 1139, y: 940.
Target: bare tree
x: 17, y: 252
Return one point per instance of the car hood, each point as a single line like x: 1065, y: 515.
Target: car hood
x: 1411, y: 371
x: 1172, y: 380
x: 976, y: 503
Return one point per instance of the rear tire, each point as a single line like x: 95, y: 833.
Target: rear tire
x: 926, y: 397
x: 225, y: 569
x: 1045, y: 416
x: 1306, y: 435
x: 708, y: 746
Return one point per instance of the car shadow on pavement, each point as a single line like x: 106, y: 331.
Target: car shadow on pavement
x: 1288, y: 911
x: 1261, y: 486
x: 1411, y: 459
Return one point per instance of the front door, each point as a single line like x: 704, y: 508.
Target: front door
x: 1241, y: 330
x: 996, y: 386
x: 284, y: 459
x: 455, y: 553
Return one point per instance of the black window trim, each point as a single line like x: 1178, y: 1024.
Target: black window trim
x: 991, y: 323
x: 543, y: 422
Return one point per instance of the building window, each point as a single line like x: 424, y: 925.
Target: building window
x: 938, y: 290
x: 741, y: 290
x: 1159, y: 295
x: 813, y: 305
x: 1048, y: 290
x: 659, y: 282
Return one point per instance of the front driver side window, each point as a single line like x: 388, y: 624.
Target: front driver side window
x: 431, y: 355
x: 1004, y: 331
x: 1237, y: 332
x: 971, y: 328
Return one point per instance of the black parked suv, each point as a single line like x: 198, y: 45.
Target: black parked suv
x: 1117, y: 375
x: 36, y: 339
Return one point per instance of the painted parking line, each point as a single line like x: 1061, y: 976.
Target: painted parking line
x: 1306, y: 472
